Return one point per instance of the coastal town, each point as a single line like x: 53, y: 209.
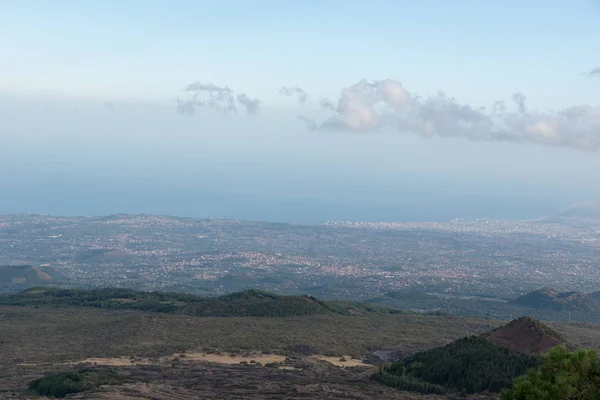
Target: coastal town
x: 335, y: 259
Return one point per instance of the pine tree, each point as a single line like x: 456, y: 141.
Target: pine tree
x: 563, y: 376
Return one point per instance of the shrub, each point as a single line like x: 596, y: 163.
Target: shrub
x: 60, y: 384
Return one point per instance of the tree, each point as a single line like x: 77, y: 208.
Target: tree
x: 563, y: 375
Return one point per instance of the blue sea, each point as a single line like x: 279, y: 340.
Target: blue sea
x: 306, y: 204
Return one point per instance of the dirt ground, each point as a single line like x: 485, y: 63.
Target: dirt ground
x: 225, y: 358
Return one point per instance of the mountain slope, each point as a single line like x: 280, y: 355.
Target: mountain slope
x: 525, y: 335
x: 26, y: 276
x: 548, y: 298
x: 473, y: 364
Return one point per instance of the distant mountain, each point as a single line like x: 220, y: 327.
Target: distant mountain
x: 488, y: 362
x: 585, y: 213
x: 525, y: 335
x: 548, y: 298
x: 27, y: 276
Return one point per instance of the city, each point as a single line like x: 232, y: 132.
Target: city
x: 354, y: 260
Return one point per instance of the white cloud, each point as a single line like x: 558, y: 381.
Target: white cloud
x: 294, y: 91
x: 220, y: 98
x: 377, y: 105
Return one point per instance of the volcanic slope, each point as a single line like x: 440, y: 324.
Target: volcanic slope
x: 548, y: 298
x: 487, y: 362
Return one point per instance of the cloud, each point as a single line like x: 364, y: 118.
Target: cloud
x: 110, y: 106
x: 594, y: 72
x: 252, y: 105
x: 296, y: 92
x: 220, y: 98
x: 370, y: 106
x: 327, y: 104
x: 520, y: 98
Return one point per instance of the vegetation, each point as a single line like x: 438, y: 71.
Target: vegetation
x: 60, y: 384
x: 566, y: 308
x: 253, y: 302
x: 18, y: 277
x: 62, y: 334
x: 563, y: 375
x: 36, y: 339
x: 548, y: 298
x: 470, y: 364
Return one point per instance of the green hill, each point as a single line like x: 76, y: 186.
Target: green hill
x: 23, y: 276
x: 548, y: 298
x: 487, y: 362
x: 256, y: 303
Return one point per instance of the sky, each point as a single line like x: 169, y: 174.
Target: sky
x: 299, y: 111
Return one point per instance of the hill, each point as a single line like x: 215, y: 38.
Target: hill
x: 24, y: 276
x: 255, y: 303
x: 525, y: 335
x: 487, y: 362
x: 548, y: 298
x: 567, y: 307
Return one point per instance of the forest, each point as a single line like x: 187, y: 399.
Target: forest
x: 469, y: 365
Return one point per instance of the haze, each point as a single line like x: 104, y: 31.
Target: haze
x: 299, y: 111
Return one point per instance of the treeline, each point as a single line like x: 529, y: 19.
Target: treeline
x: 255, y: 303
x: 467, y: 365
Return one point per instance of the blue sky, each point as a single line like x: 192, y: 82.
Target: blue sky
x: 88, y: 90
x: 148, y: 50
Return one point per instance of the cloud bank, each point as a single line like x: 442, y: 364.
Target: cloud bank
x: 370, y: 106
x: 219, y: 98
x: 595, y: 72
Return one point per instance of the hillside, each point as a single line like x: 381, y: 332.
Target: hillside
x: 255, y: 303
x: 174, y: 355
x: 488, y: 362
x: 525, y: 335
x: 580, y: 308
x: 548, y: 298
x: 178, y: 356
x: 24, y: 276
